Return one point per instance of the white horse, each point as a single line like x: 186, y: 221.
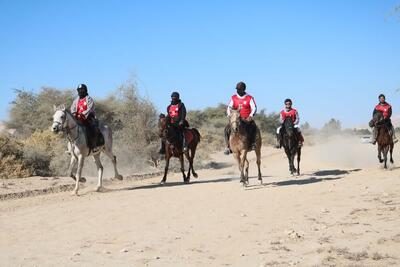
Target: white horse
x: 64, y: 121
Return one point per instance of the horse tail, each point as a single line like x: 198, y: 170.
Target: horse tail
x: 197, y: 133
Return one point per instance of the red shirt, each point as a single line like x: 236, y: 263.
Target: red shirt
x: 244, y: 104
x: 384, y: 109
x: 291, y: 113
x: 173, y: 112
x: 81, y: 108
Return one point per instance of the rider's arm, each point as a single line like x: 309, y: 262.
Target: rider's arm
x: 182, y: 113
x: 230, y: 106
x: 389, y: 113
x: 253, y: 107
x: 297, y: 121
x: 74, y: 106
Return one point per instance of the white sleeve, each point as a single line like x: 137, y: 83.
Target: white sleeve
x: 297, y: 119
x: 253, y: 107
x: 230, y: 106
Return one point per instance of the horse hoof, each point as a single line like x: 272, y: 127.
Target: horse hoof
x: 98, y: 189
x: 162, y: 183
x: 119, y: 177
x: 82, y: 180
x: 186, y: 181
x: 195, y: 175
x: 74, y: 193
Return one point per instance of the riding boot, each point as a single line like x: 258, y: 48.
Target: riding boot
x: 374, y: 135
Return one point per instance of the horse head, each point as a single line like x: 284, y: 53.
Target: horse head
x: 162, y: 126
x: 234, y: 120
x: 377, y: 119
x: 288, y: 126
x: 59, y: 119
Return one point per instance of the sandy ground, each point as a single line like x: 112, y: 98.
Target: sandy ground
x: 342, y: 211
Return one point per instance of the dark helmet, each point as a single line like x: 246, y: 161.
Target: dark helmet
x: 175, y: 94
x: 382, y: 95
x: 288, y: 100
x: 82, y: 87
x: 241, y: 86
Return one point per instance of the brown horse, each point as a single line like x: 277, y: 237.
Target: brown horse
x: 239, y: 144
x: 384, y: 139
x: 173, y: 147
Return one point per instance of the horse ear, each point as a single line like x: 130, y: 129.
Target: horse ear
x: 55, y: 108
x: 62, y: 107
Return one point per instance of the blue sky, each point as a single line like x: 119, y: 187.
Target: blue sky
x: 331, y: 57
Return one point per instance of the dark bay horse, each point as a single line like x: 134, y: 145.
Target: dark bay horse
x: 384, y: 139
x: 173, y: 147
x: 290, y: 143
x: 240, y: 146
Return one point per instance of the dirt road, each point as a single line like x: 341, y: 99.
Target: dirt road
x: 343, y: 211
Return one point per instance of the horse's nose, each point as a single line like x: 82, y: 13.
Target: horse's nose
x: 54, y: 128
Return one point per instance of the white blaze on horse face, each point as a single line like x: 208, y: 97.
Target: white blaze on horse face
x: 234, y: 120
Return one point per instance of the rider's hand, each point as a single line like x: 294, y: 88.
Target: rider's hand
x: 181, y: 123
x: 250, y: 119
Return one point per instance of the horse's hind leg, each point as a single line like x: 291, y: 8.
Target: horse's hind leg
x: 385, y: 154
x: 187, y: 155
x: 258, y: 154
x: 391, y: 153
x: 99, y: 171
x: 113, y: 158
x: 246, y: 167
x: 192, y: 155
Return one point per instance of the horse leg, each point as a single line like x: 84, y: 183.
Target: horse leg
x: 385, y: 152
x: 246, y: 167
x: 167, y: 158
x: 81, y: 160
x: 182, y: 160
x: 99, y: 171
x: 113, y: 158
x: 187, y: 155
x: 71, y: 166
x: 258, y: 154
x: 298, y: 160
x: 192, y: 154
x: 380, y: 154
x: 242, y: 168
x: 391, y: 153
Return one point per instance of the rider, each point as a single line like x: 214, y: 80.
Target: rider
x: 177, y: 116
x: 386, y: 110
x: 288, y: 111
x: 248, y: 108
x: 83, y: 110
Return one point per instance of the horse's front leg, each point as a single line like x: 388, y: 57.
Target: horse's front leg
x: 187, y: 155
x: 258, y: 154
x: 182, y: 161
x: 81, y: 160
x: 167, y: 158
x: 71, y: 166
x: 380, y: 154
x: 246, y: 167
x: 242, y: 168
x: 99, y: 171
x: 385, y: 153
x: 298, y: 160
